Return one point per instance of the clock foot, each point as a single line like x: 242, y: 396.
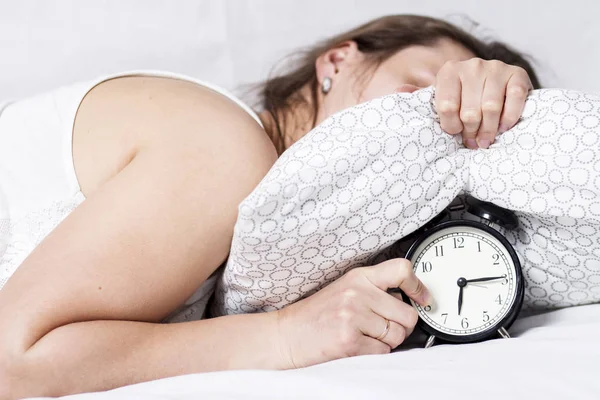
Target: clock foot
x: 503, y: 333
x: 430, y: 341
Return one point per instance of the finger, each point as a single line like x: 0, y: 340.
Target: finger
x: 492, y: 102
x: 399, y: 297
x: 470, y: 106
x: 368, y: 345
x: 394, y: 309
x: 398, y: 273
x: 517, y: 89
x: 447, y: 99
x: 407, y: 88
x: 374, y: 326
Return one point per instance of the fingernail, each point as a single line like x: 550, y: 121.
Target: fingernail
x: 484, y: 143
x: 503, y: 128
x: 431, y: 305
x: 471, y: 143
x: 427, y: 299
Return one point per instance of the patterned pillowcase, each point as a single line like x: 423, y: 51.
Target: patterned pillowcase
x: 374, y: 173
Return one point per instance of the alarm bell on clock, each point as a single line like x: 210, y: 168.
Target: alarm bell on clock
x: 471, y: 270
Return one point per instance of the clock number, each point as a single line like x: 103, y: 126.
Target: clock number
x: 479, y: 247
x: 445, y: 315
x: 426, y: 266
x: 496, y: 257
x: 458, y: 243
x: 486, y: 317
x: 439, y: 251
x: 427, y: 308
x: 499, y: 300
x: 505, y: 280
x: 464, y: 323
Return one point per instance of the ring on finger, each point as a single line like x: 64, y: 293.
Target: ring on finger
x: 385, y: 331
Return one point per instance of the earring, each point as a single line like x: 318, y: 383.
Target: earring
x: 326, y: 85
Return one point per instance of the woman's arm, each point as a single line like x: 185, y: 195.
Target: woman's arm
x: 81, y: 313
x: 102, y: 355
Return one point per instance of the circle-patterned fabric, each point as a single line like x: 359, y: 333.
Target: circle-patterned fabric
x: 372, y: 174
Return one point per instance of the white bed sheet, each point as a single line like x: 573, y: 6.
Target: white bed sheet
x: 555, y: 355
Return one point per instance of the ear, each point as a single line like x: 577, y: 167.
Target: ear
x: 336, y: 59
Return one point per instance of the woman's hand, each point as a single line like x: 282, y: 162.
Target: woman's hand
x: 345, y: 318
x: 479, y: 98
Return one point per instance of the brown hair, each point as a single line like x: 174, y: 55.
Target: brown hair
x: 378, y: 40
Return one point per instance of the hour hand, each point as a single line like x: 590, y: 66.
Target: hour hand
x: 488, y: 278
x: 460, y: 299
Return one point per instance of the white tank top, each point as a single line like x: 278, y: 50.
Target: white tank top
x: 38, y: 185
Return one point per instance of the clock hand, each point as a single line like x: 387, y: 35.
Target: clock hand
x: 479, y: 285
x: 460, y: 299
x: 461, y: 282
x: 489, y: 278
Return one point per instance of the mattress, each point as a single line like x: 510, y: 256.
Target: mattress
x: 555, y: 355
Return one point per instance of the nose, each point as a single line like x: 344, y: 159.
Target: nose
x: 407, y: 88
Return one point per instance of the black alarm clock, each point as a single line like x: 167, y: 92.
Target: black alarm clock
x: 472, y: 272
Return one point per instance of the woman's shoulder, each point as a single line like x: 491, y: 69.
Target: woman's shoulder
x: 120, y: 116
x: 156, y: 96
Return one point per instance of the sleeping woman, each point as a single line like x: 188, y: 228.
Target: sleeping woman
x: 118, y: 200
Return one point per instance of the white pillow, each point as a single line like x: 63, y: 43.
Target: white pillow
x: 374, y: 173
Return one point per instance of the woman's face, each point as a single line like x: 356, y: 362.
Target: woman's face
x: 410, y: 69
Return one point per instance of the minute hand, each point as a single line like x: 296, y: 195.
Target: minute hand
x: 489, y: 278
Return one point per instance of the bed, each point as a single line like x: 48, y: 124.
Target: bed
x: 232, y: 43
x: 553, y: 355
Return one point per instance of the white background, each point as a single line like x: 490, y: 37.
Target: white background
x: 47, y: 43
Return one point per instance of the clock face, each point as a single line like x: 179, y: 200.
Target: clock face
x: 473, y: 279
